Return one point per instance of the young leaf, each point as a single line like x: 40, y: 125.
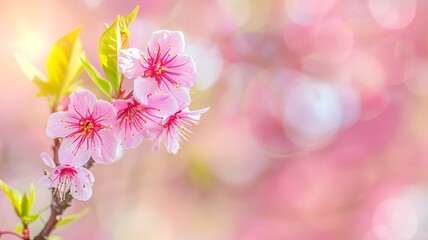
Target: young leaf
x: 124, y: 23
x: 19, y: 228
x: 64, y: 65
x: 31, y: 196
x: 101, y: 83
x: 108, y: 50
x: 114, y: 38
x: 30, y: 218
x: 29, y: 70
x: 71, y: 218
x: 24, y: 205
x: 14, y: 196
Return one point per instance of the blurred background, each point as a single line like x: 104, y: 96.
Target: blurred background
x: 318, y: 127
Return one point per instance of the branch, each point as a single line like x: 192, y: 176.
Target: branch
x: 57, y: 206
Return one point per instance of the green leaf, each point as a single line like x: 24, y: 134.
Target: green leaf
x: 124, y: 23
x: 108, y: 50
x: 31, y: 197
x: 93, y: 73
x: 30, y: 218
x: 24, y: 206
x: 63, y: 68
x: 64, y: 65
x: 29, y: 70
x: 114, y: 38
x: 71, y: 218
x: 14, y: 196
x: 19, y: 228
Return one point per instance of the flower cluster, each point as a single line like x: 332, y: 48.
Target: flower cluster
x: 157, y: 108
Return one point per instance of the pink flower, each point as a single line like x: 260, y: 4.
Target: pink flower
x: 175, y: 127
x: 135, y: 121
x: 162, y: 69
x: 68, y: 177
x: 85, y: 129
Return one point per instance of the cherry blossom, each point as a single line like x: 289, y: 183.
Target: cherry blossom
x: 175, y: 127
x: 136, y: 121
x: 162, y: 68
x: 68, y: 177
x: 86, y: 130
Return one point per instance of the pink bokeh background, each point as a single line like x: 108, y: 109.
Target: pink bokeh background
x: 317, y: 128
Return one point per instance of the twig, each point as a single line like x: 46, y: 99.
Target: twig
x: 10, y: 233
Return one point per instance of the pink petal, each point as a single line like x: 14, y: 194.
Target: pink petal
x: 44, y: 180
x: 167, y: 40
x: 129, y: 63
x: 128, y: 137
x: 104, y: 112
x: 165, y: 104
x: 86, y: 175
x: 58, y: 125
x: 81, y: 188
x: 121, y: 104
x: 144, y: 87
x: 172, y: 142
x: 182, y: 96
x: 70, y: 152
x: 195, y: 114
x: 105, y: 147
x: 81, y: 102
x: 47, y: 159
x: 159, y: 137
x: 183, y: 70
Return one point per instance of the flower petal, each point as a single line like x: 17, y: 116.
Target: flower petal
x: 128, y: 136
x: 159, y: 137
x: 144, y: 87
x: 75, y: 151
x: 195, y: 114
x: 104, y: 113
x: 59, y: 124
x: 81, y: 102
x: 182, y: 96
x: 81, y: 188
x: 165, y: 104
x: 129, y: 63
x: 106, y: 144
x: 44, y: 180
x: 47, y: 159
x: 172, y: 41
x: 183, y: 70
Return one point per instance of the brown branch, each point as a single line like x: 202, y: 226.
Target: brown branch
x: 57, y: 206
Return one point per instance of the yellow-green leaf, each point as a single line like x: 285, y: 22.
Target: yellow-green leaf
x: 115, y: 38
x: 64, y: 65
x: 31, y: 196
x: 19, y: 228
x: 14, y: 196
x: 30, y: 218
x: 124, y: 23
x: 108, y: 50
x: 96, y: 77
x: 71, y: 218
x: 29, y: 70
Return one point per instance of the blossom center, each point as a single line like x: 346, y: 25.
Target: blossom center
x: 66, y: 176
x: 87, y: 127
